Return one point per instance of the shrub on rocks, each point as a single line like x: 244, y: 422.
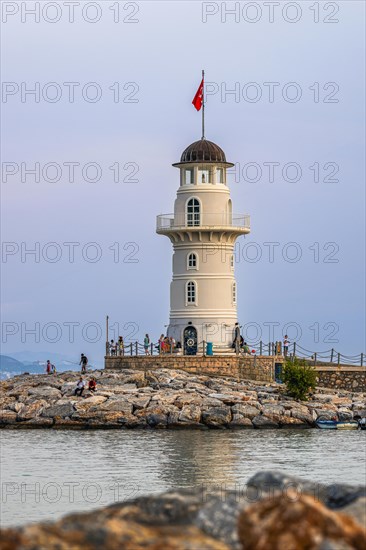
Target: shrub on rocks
x: 299, y: 378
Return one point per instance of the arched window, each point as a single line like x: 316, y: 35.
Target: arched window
x: 193, y: 212
x: 192, y: 261
x: 191, y: 292
x: 234, y: 293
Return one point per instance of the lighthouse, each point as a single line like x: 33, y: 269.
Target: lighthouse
x: 203, y: 231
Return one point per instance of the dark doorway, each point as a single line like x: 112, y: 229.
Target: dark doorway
x: 190, y: 341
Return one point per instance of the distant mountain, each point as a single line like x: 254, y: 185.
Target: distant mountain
x: 10, y: 363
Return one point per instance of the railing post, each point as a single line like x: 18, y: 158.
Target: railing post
x: 136, y: 348
x: 339, y: 358
x: 203, y: 348
x: 361, y: 359
x: 269, y: 348
x: 260, y: 347
x: 131, y: 350
x: 152, y: 348
x: 314, y: 359
x: 294, y: 352
x: 331, y: 355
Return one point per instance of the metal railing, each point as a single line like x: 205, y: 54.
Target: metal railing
x: 203, y: 219
x: 329, y: 357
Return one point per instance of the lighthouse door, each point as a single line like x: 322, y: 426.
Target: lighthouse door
x: 190, y: 341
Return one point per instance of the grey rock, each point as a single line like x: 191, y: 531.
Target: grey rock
x: 59, y: 410
x: 216, y: 416
x: 248, y: 411
x: 262, y: 421
x: 334, y: 496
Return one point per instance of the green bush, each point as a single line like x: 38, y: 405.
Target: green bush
x: 299, y: 378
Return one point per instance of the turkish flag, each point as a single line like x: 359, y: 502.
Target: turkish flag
x: 198, y: 98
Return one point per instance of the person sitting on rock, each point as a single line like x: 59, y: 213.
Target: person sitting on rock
x: 79, y: 387
x: 92, y: 385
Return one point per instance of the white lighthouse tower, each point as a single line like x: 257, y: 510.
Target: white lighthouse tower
x: 203, y: 231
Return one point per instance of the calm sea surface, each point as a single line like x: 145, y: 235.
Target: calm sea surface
x: 45, y: 474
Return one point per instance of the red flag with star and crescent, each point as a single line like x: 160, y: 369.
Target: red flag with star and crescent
x: 198, y: 98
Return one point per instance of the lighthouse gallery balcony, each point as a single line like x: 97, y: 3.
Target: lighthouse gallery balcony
x: 203, y: 221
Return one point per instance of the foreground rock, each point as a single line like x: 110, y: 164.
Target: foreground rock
x: 164, y: 398
x: 289, y: 519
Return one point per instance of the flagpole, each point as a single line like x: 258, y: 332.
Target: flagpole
x: 203, y: 105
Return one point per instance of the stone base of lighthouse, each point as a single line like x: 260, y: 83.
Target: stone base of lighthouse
x: 193, y: 334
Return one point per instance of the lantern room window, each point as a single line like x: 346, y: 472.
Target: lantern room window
x: 204, y: 176
x: 220, y: 175
x: 188, y: 176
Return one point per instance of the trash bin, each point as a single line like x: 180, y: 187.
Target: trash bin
x: 209, y: 348
x: 278, y: 373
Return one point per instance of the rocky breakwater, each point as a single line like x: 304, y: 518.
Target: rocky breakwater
x: 272, y: 512
x: 164, y: 398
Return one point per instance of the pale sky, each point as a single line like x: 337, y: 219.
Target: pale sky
x: 155, y: 64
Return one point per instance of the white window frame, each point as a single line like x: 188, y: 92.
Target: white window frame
x: 190, y: 267
x: 191, y: 170
x: 188, y: 303
x: 222, y: 170
x: 199, y: 212
x: 199, y: 176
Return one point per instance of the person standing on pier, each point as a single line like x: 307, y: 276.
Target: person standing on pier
x: 146, y: 344
x: 286, y: 343
x: 237, y: 338
x: 83, y: 363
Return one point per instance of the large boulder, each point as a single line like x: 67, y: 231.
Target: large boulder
x: 32, y: 410
x: 45, y: 392
x: 216, y: 416
x: 8, y: 417
x: 67, y: 409
x: 240, y: 421
x: 262, y: 421
x: 248, y: 411
x: 296, y: 523
x: 116, y: 405
x: 334, y: 496
x: 190, y: 414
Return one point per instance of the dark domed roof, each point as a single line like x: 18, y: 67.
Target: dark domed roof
x: 203, y: 150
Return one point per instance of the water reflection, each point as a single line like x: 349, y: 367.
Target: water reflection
x: 45, y: 474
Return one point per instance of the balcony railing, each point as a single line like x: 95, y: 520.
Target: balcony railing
x: 202, y: 220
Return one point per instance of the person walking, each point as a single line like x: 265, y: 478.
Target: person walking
x: 121, y: 346
x: 146, y: 344
x: 83, y: 363
x: 48, y: 367
x: 79, y: 387
x: 237, y: 338
x: 286, y: 343
x: 161, y: 344
x: 113, y: 348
